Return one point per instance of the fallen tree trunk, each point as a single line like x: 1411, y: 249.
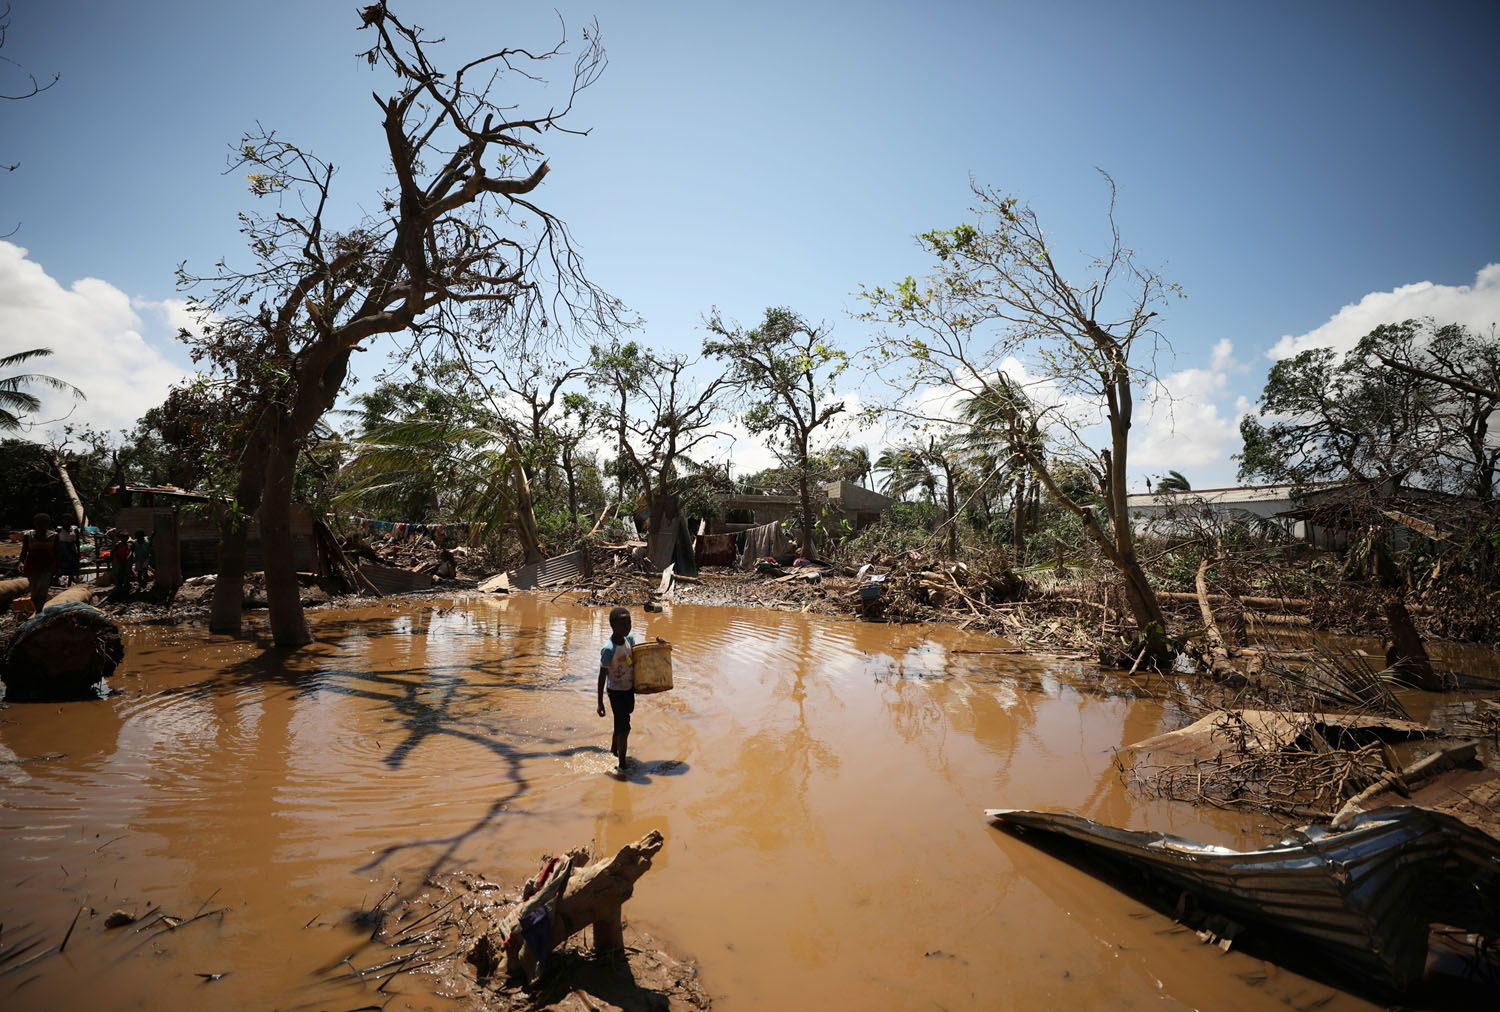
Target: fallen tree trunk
x: 1254, y: 603
x: 12, y: 589
x: 63, y: 652
x: 1253, y: 618
x: 73, y: 497
x: 87, y: 593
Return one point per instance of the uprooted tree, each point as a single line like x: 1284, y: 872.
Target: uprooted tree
x: 455, y: 235
x: 998, y: 291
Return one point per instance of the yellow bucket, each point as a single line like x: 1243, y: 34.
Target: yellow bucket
x: 653, y: 667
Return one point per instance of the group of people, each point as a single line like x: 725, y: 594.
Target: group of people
x: 129, y: 557
x: 51, y: 557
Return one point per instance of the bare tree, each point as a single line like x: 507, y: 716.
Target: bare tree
x: 454, y: 237
x: 31, y: 86
x: 659, y: 414
x: 996, y: 292
x: 784, y: 372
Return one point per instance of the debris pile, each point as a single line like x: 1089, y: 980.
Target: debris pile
x: 500, y: 950
x: 1305, y: 765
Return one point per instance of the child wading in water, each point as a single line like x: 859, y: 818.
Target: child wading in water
x: 617, y: 668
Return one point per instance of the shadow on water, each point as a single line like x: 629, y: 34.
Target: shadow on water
x: 428, y: 702
x: 642, y: 772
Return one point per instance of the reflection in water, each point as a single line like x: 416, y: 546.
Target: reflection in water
x: 820, y: 786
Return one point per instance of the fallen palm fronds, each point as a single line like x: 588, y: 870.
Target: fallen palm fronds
x: 1338, y: 677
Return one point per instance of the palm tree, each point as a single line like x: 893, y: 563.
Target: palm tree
x: 906, y: 468
x: 1004, y: 427
x: 14, y: 401
x: 1174, y: 482
x: 912, y: 465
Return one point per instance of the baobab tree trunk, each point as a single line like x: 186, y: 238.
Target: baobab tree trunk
x: 224, y: 614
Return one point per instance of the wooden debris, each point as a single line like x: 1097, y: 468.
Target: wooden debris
x: 1268, y: 730
x: 593, y: 897
x: 63, y: 652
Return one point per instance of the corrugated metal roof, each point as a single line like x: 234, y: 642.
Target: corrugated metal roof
x: 1362, y: 896
x: 1233, y: 494
x: 561, y: 569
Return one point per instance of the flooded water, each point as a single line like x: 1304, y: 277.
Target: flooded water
x: 820, y: 785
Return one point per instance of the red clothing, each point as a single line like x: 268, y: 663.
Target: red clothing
x: 40, y: 555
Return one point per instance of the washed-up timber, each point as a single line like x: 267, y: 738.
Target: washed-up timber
x: 1363, y: 896
x: 62, y: 652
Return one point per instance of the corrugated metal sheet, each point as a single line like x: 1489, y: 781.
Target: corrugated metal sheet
x: 561, y: 569
x: 1232, y: 495
x: 391, y: 580
x: 1364, y: 895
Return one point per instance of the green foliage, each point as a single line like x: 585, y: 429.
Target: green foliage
x: 1330, y: 417
x: 906, y: 526
x: 1175, y: 481
x: 28, y: 484
x: 17, y: 401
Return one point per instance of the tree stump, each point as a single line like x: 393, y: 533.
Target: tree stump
x: 1405, y: 652
x: 593, y: 897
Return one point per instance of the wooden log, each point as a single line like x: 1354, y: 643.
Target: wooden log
x: 593, y: 897
x: 63, y: 652
x: 1269, y: 619
x: 12, y: 589
x: 1250, y: 603
x: 595, y: 894
x: 87, y: 593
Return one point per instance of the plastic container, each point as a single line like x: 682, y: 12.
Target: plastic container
x: 653, y: 667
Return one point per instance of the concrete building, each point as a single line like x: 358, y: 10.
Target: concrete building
x: 860, y: 506
x: 1168, y: 514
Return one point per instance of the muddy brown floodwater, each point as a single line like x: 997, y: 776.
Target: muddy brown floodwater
x: 820, y: 785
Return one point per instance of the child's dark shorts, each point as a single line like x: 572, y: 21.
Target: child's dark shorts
x: 621, y: 704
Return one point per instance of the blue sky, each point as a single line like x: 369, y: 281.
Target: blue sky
x: 1301, y: 169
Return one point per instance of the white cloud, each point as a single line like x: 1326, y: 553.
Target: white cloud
x: 1184, y: 430
x: 174, y: 313
x: 1476, y: 306
x: 1224, y: 360
x: 96, y: 335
